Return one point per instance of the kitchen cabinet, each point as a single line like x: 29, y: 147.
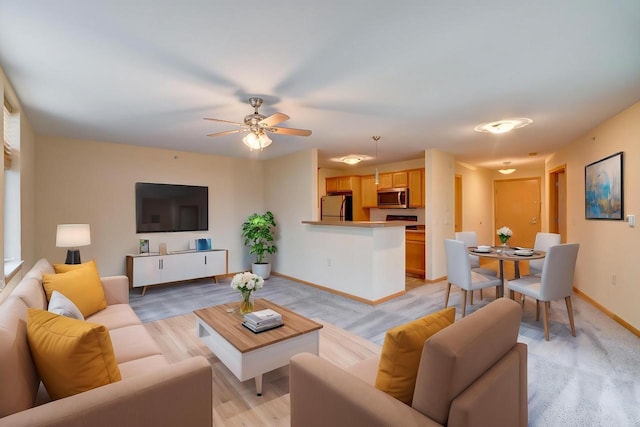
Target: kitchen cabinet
x: 415, y: 253
x: 152, y: 269
x: 331, y: 185
x: 416, y: 188
x: 342, y: 183
x: 369, y: 192
x: 393, y: 180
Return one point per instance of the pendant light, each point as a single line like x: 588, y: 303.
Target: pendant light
x: 376, y: 178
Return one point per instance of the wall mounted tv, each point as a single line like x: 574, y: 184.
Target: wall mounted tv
x: 168, y: 207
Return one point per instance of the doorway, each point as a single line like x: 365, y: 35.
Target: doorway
x: 558, y: 202
x: 517, y: 206
x: 458, y: 203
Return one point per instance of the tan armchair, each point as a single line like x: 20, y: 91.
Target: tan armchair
x: 472, y: 373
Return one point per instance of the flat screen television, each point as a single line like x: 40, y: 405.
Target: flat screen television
x: 169, y: 207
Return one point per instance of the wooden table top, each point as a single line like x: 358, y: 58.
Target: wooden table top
x: 507, y: 253
x: 226, y: 319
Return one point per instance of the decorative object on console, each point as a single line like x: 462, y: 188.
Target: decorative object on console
x: 504, y: 233
x: 257, y: 231
x: 144, y: 246
x: 203, y: 244
x: 246, y: 283
x: 162, y: 249
x: 73, y: 236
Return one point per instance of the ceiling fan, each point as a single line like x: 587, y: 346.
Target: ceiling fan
x: 258, y: 125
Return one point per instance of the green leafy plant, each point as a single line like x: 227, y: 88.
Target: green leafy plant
x: 257, y: 231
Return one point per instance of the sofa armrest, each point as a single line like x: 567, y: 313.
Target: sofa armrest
x: 323, y: 394
x: 180, y: 394
x: 116, y: 289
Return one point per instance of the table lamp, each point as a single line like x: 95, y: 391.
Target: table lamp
x: 73, y: 236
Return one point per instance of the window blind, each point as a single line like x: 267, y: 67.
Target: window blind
x: 7, y: 110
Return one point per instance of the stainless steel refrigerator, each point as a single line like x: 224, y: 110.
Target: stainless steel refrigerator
x: 337, y: 208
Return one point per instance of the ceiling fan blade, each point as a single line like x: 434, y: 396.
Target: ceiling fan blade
x: 289, y: 131
x: 274, y: 119
x: 228, y: 132
x: 224, y: 121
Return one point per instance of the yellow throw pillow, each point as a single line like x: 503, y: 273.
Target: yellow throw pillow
x: 65, y: 268
x: 81, y: 285
x: 71, y: 355
x: 401, y: 352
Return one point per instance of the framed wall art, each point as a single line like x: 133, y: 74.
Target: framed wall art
x: 604, y: 189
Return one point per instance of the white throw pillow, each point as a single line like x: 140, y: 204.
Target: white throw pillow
x: 59, y: 304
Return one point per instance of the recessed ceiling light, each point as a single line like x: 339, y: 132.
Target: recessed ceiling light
x: 351, y: 160
x: 504, y: 125
x: 506, y: 171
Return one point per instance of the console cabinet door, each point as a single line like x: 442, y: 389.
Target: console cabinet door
x: 215, y: 263
x: 147, y: 270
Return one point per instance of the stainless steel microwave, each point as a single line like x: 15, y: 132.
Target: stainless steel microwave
x: 393, y: 198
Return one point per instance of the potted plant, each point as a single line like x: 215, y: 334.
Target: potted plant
x: 257, y: 231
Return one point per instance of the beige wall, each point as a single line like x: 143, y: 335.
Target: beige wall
x: 290, y: 193
x: 607, y: 248
x: 477, y: 202
x: 93, y: 182
x: 439, y: 177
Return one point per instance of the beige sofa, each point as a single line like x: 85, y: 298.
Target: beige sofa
x: 152, y: 391
x: 472, y: 373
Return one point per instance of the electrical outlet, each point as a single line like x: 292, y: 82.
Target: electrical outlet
x: 614, y: 280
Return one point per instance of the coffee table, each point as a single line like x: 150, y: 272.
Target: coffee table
x: 248, y: 355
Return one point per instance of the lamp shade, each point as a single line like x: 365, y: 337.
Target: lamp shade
x: 73, y: 235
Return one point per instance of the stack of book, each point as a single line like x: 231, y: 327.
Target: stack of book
x: 263, y: 320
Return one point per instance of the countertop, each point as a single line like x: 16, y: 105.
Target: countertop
x: 362, y: 224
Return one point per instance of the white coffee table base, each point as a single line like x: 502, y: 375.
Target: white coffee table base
x: 254, y: 363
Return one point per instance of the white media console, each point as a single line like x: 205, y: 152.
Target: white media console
x: 152, y: 269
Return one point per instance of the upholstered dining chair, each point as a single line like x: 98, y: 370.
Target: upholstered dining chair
x: 459, y: 273
x: 555, y: 282
x: 470, y: 238
x: 543, y: 242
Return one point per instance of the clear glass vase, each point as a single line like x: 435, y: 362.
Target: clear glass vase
x: 246, y: 305
x: 504, y: 241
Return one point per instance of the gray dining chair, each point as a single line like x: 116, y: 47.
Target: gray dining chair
x: 459, y: 273
x: 555, y: 282
x: 470, y: 238
x: 543, y: 242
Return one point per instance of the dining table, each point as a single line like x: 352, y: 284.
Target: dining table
x: 507, y: 253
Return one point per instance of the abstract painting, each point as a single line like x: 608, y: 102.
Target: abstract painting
x: 603, y: 189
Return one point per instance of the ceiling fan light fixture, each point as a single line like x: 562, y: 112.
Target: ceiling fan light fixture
x: 256, y: 141
x: 504, y: 125
x: 351, y: 160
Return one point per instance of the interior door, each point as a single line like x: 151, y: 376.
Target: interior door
x: 517, y: 205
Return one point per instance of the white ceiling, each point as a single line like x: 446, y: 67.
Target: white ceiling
x: 419, y: 73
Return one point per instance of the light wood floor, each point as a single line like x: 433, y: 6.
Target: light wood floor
x: 236, y: 403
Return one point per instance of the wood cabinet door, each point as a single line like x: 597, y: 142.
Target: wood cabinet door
x: 416, y: 188
x: 385, y: 180
x: 415, y: 254
x: 369, y: 192
x: 331, y: 184
x: 400, y: 179
x: 344, y: 183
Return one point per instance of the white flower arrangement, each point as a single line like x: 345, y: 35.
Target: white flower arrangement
x: 504, y: 233
x: 246, y: 282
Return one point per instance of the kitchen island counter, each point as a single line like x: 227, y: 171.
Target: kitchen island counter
x: 364, y: 224
x: 364, y: 260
